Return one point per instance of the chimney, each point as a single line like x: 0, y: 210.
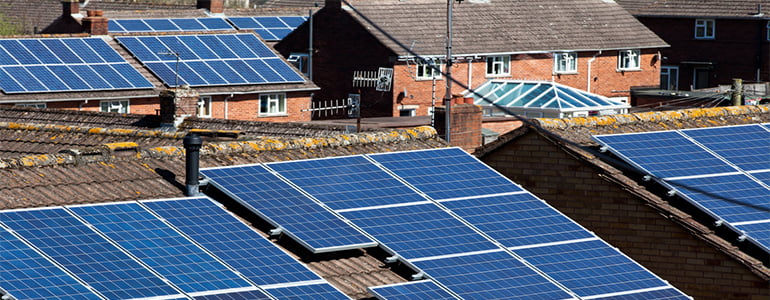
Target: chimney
x: 192, y: 146
x: 95, y: 23
x: 215, y: 7
x: 465, y: 124
x: 70, y: 7
x: 176, y: 104
x: 333, y: 4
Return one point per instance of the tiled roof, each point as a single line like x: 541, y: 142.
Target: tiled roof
x: 505, y: 26
x: 697, y: 8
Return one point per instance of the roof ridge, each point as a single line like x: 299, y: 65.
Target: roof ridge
x: 92, y: 130
x: 621, y: 119
x: 109, y: 152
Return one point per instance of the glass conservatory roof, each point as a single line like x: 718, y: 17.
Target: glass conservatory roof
x: 539, y: 95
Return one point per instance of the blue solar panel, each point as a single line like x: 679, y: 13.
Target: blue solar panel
x: 270, y: 28
x: 8, y: 83
x: 41, y: 52
x: 322, y: 291
x: 346, y: 182
x: 759, y: 232
x: 283, y: 69
x: 161, y: 247
x: 231, y: 240
x: 188, y: 24
x: 86, y: 254
x: 446, y: 173
x: 263, y: 69
x: 733, y: 198
x: 764, y: 177
x: 244, y: 295
x: 301, y: 217
x: 665, y: 154
x: 29, y: 275
x: 70, y: 78
x: 84, y: 51
x: 168, y: 25
x: 415, y: 290
x: 740, y: 145
x: 418, y: 231
x: 518, y: 219
x: 590, y: 268
x: 494, y: 275
x: 658, y: 294
x: 216, y: 24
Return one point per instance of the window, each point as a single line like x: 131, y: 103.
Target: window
x: 565, y: 62
x: 498, y: 65
x: 407, y: 110
x: 427, y: 71
x: 299, y: 60
x: 272, y: 104
x: 204, y: 107
x: 629, y: 59
x: 768, y: 31
x: 119, y: 106
x: 704, y: 29
x: 669, y: 78
x: 34, y: 105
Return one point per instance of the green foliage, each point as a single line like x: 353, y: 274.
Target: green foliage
x: 7, y: 27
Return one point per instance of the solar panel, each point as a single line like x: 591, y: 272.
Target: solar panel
x: 739, y: 145
x: 758, y: 232
x: 659, y: 294
x: 732, y: 198
x: 231, y: 240
x: 29, y: 275
x: 414, y: 290
x: 664, y: 154
x: 493, y: 275
x: 517, y: 219
x: 161, y: 247
x: 419, y: 230
x: 167, y: 25
x: 250, y: 295
x: 346, y: 182
x: 86, y: 254
x: 317, y: 291
x: 64, y: 65
x: 236, y: 58
x: 270, y: 28
x: 763, y: 177
x: 590, y: 268
x: 276, y: 201
x: 446, y: 173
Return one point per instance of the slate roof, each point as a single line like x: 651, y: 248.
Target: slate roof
x: 696, y: 8
x: 506, y: 26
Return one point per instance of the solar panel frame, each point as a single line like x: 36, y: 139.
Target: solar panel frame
x: 658, y: 294
x: 737, y: 144
x: 216, y: 24
x: 41, y: 51
x: 317, y: 291
x: 250, y: 295
x: 9, y: 84
x: 62, y: 51
x: 730, y: 197
x: 756, y: 232
x: 270, y: 28
x: 412, y: 290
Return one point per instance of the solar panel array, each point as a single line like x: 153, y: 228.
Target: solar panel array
x: 168, y: 25
x: 166, y: 249
x: 210, y: 60
x: 471, y: 231
x: 64, y: 65
x: 269, y: 28
x: 724, y: 171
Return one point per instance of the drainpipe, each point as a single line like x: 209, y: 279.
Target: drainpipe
x: 226, y: 105
x: 588, y: 80
x: 192, y: 145
x: 470, y: 73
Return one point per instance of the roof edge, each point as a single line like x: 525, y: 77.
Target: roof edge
x: 91, y: 130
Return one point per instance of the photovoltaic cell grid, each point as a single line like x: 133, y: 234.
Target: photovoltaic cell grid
x: 168, y: 25
x: 299, y: 216
x: 159, y: 246
x: 414, y: 290
x: 744, y: 146
x: 63, y: 65
x: 86, y: 254
x: 250, y: 295
x: 446, y: 173
x: 346, y: 182
x: 269, y: 28
x: 323, y: 291
x: 732, y: 198
x: 29, y: 275
x: 210, y: 60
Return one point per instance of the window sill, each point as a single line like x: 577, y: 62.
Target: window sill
x: 705, y: 38
x: 497, y: 75
x: 565, y: 73
x: 428, y: 79
x: 629, y: 70
x: 272, y: 115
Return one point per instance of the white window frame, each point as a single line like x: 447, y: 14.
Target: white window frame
x: 629, y: 60
x: 299, y: 60
x: 498, y: 65
x: 705, y: 29
x: 33, y: 105
x: 673, y: 81
x: 426, y: 71
x: 272, y: 104
x: 565, y: 63
x: 204, y: 107
x: 119, y: 106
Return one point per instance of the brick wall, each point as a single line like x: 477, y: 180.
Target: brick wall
x: 625, y: 221
x: 465, y: 125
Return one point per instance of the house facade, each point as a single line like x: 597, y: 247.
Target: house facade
x: 591, y: 45
x: 712, y: 42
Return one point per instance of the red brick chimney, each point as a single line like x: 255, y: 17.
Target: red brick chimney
x: 95, y: 23
x: 70, y: 7
x: 175, y: 104
x: 213, y: 6
x: 465, y: 123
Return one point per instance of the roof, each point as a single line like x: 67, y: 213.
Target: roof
x: 505, y: 26
x: 573, y: 136
x: 697, y: 8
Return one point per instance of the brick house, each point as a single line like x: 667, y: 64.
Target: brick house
x: 557, y: 160
x: 270, y: 101
x: 712, y: 42
x: 590, y: 45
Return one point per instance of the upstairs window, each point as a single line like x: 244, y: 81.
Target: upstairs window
x: 629, y: 60
x: 272, y: 104
x: 427, y: 71
x: 204, y: 107
x: 669, y: 78
x: 118, y: 106
x: 565, y: 62
x: 34, y: 105
x: 704, y: 29
x: 299, y: 60
x: 498, y: 65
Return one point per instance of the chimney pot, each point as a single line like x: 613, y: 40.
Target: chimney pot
x: 70, y: 7
x: 192, y: 145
